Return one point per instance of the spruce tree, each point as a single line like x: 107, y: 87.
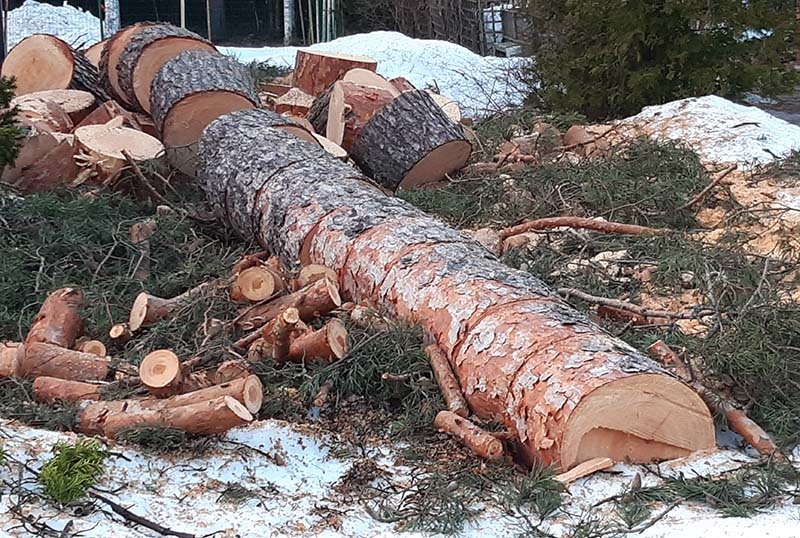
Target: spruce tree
x: 610, y: 58
x: 10, y: 132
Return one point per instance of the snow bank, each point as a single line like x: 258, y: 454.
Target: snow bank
x: 479, y: 84
x: 720, y: 131
x: 75, y: 26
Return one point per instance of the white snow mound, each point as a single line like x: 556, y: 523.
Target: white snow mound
x: 77, y: 27
x: 480, y: 84
x: 719, y: 130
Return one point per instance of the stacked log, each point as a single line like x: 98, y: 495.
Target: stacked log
x: 109, y: 60
x: 567, y: 391
x: 315, y: 70
x: 146, y: 52
x: 45, y: 62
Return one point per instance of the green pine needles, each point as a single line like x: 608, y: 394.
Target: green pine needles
x: 73, y: 470
x: 10, y: 132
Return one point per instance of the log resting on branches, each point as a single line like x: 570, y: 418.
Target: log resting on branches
x: 567, y: 391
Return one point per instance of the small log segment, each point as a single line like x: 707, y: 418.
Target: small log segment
x: 120, y: 333
x: 100, y: 150
x: 315, y: 70
x: 311, y: 273
x: 582, y: 223
x: 256, y: 284
x: 565, y: 389
x: 146, y: 52
x: 59, y: 319
x: 94, y: 52
x: 109, y: 60
x: 8, y: 358
x: 295, y: 101
x: 410, y: 142
x: 50, y: 390
x: 209, y: 417
x: 274, y: 341
x: 162, y: 372
x: 193, y: 89
x: 76, y: 104
x: 447, y: 381
x: 248, y: 261
x: 95, y: 347
x: 45, y: 62
x: 350, y: 107
x: 316, y: 299
x: 40, y: 359
x: 584, y: 469
x: 326, y: 344
x: 482, y: 443
x: 148, y: 309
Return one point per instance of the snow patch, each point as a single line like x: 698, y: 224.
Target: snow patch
x: 479, y: 84
x: 77, y: 27
x: 719, y: 130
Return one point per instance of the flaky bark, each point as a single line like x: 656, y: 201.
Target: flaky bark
x: 447, y: 381
x: 567, y: 391
x: 482, y: 443
x: 50, y: 390
x: 40, y: 359
x: 109, y: 60
x: 59, y: 319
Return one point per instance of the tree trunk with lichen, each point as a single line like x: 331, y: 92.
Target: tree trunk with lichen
x: 567, y: 391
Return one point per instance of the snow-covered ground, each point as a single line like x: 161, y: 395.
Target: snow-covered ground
x: 480, y: 84
x: 75, y: 26
x: 292, y: 472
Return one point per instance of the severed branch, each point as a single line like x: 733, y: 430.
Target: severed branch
x: 154, y: 194
x: 737, y: 419
x: 584, y: 223
x: 702, y: 194
x: 630, y: 307
x: 139, y: 520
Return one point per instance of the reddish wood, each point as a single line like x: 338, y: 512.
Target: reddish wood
x: 148, y: 309
x: 256, y: 284
x: 210, y: 417
x: 247, y: 390
x: 95, y: 347
x: 447, y: 381
x: 120, y: 333
x: 402, y: 84
x: 162, y: 372
x: 40, y: 359
x: 52, y: 170
x: 295, y: 102
x: 230, y: 370
x: 59, y: 319
x: 248, y: 261
x: 322, y: 395
x: 584, y: 469
x: 482, y: 443
x: 350, y: 107
x: 8, y: 358
x: 326, y: 344
x: 275, y: 335
x: 50, y: 390
x: 311, y: 273
x: 316, y: 70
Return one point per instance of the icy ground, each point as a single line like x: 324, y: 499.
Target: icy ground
x: 479, y: 84
x: 293, y: 473
x: 77, y: 27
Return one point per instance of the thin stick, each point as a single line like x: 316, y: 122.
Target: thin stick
x: 582, y: 223
x: 630, y: 307
x: 702, y: 194
x: 139, y: 520
x: 737, y: 419
x: 143, y: 180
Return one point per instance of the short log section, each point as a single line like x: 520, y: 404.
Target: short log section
x: 350, y: 107
x: 109, y: 60
x: 315, y: 70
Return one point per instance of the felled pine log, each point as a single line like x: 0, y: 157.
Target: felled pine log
x: 315, y: 70
x: 40, y: 359
x: 410, y: 142
x: 190, y: 91
x: 45, y: 62
x: 565, y: 389
x: 146, y: 52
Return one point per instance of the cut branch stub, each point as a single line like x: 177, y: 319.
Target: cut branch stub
x: 351, y: 106
x: 315, y: 70
x: 275, y: 336
x: 146, y: 53
x: 256, y: 284
x: 45, y: 62
x: 482, y: 443
x: 565, y: 389
x: 190, y: 91
x: 148, y: 309
x: 410, y: 142
x: 326, y: 344
x: 109, y: 59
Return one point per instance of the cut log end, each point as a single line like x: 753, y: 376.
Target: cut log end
x: 253, y: 394
x: 120, y: 333
x: 238, y: 408
x: 640, y: 419
x: 160, y: 368
x: 95, y: 347
x: 439, y: 163
x: 255, y: 284
x: 39, y: 62
x: 312, y: 273
x: 8, y: 358
x: 139, y: 311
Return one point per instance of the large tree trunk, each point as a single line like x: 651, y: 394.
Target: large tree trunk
x: 45, y: 62
x: 189, y: 92
x: 315, y: 70
x: 567, y: 390
x: 410, y: 142
x: 146, y: 53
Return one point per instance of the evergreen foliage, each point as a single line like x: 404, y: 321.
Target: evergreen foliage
x: 10, y: 132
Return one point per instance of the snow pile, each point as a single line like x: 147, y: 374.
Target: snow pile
x: 479, y: 84
x: 720, y: 131
x: 75, y: 26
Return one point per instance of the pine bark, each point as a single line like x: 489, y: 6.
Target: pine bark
x: 318, y: 113
x: 521, y: 355
x: 59, y: 319
x: 403, y: 133
x: 109, y: 60
x: 314, y: 71
x: 197, y: 71
x: 50, y: 390
x: 40, y: 359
